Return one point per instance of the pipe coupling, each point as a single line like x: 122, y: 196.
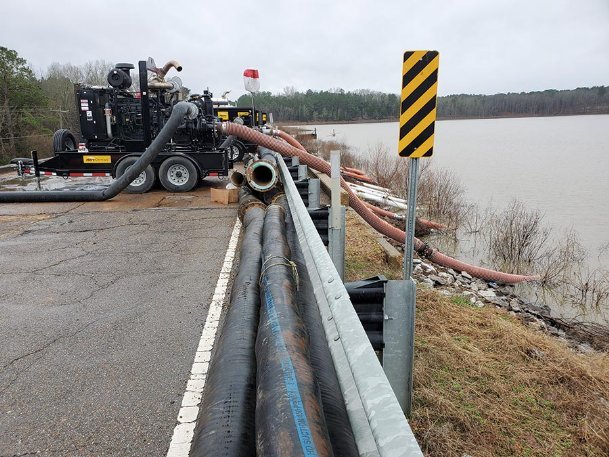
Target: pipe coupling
x: 262, y: 175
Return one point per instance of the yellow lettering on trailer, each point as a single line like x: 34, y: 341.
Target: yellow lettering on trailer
x: 243, y: 113
x: 223, y: 115
x: 96, y: 159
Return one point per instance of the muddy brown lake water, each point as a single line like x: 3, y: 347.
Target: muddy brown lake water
x: 558, y: 165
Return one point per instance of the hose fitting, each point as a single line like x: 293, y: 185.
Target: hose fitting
x: 262, y: 175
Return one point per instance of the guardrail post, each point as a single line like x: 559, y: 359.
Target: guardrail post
x: 303, y: 172
x: 336, y: 231
x: 398, y: 335
x: 314, y: 193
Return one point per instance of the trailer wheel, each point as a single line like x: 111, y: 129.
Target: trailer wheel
x: 236, y: 152
x: 63, y: 140
x: 178, y: 174
x: 143, y: 183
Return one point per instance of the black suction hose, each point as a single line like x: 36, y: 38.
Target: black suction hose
x: 228, y: 142
x: 335, y: 411
x: 225, y: 427
x: 289, y: 416
x: 180, y: 110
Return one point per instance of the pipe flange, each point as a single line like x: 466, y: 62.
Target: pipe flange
x: 247, y: 206
x: 276, y: 198
x: 262, y: 175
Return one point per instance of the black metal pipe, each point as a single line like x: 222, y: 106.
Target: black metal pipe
x: 376, y: 339
x: 371, y: 317
x: 335, y: 411
x: 228, y: 142
x: 180, y: 110
x: 321, y: 224
x: 269, y: 155
x: 323, y: 213
x: 35, y: 162
x: 368, y: 307
x: 144, y: 100
x: 359, y: 295
x: 225, y: 427
x: 289, y: 416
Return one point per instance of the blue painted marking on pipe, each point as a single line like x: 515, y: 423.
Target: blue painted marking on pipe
x: 289, y: 379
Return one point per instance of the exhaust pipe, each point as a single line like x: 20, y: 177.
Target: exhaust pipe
x: 262, y: 175
x: 160, y: 85
x: 108, y: 116
x: 168, y: 66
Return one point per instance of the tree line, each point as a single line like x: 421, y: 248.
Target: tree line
x: 326, y: 105
x: 551, y: 102
x: 33, y: 106
x: 338, y: 105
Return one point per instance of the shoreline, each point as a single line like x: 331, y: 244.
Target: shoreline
x: 465, y: 118
x: 554, y: 313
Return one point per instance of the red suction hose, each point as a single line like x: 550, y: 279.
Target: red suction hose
x: 360, y: 207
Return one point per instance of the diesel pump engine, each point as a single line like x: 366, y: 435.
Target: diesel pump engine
x: 117, y: 118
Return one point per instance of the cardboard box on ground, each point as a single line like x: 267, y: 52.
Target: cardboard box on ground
x: 225, y: 196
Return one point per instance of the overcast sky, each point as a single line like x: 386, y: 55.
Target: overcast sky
x: 486, y: 46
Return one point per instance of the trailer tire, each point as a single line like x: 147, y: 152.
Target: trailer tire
x: 236, y: 151
x: 178, y: 174
x: 63, y: 140
x: 143, y: 183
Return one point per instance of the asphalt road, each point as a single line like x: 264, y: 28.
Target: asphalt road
x: 101, y: 310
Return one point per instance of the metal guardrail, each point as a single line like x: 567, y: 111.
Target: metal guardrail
x: 379, y: 425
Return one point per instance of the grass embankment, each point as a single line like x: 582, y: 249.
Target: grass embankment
x: 486, y: 384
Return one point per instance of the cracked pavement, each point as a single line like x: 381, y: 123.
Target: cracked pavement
x: 101, y: 310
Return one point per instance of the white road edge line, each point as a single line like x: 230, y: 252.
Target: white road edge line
x: 187, y: 416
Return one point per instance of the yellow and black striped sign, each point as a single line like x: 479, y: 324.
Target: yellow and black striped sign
x: 418, y: 109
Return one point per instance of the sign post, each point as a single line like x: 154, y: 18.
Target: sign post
x: 417, y: 122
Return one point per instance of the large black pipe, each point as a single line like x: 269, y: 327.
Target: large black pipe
x: 360, y: 295
x: 225, y: 427
x: 228, y: 142
x: 180, y: 110
x: 289, y: 416
x: 335, y: 411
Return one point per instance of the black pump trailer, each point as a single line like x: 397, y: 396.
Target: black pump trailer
x: 118, y: 125
x: 113, y: 164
